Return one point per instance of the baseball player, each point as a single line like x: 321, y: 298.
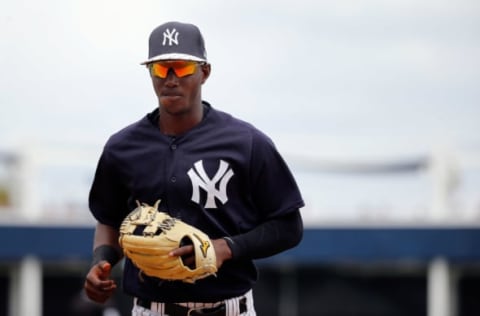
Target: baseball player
x: 213, y: 171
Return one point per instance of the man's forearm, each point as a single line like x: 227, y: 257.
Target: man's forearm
x: 105, y: 245
x: 269, y: 238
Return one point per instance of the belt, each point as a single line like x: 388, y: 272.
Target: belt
x: 172, y: 309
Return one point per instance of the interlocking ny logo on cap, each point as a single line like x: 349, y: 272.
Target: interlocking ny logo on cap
x: 170, y: 36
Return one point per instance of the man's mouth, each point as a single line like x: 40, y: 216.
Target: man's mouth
x: 171, y: 94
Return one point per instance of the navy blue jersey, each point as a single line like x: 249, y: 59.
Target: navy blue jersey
x: 223, y: 176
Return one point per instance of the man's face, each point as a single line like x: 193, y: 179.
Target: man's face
x: 177, y: 84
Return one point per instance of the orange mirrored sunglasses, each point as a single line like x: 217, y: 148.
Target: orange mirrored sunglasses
x: 182, y: 68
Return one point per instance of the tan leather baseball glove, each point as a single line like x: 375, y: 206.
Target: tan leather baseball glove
x: 147, y: 235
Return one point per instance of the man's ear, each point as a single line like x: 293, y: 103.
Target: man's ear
x: 206, y: 69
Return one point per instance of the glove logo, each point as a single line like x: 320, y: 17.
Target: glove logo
x: 200, y: 179
x: 204, y: 245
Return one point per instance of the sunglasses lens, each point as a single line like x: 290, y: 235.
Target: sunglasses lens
x: 181, y: 68
x: 158, y: 70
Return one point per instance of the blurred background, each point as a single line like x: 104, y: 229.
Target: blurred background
x: 374, y: 105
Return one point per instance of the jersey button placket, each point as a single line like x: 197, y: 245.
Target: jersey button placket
x: 173, y: 147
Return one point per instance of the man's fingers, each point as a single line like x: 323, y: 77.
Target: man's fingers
x: 182, y: 251
x: 106, y: 267
x: 98, y: 285
x: 99, y: 291
x: 101, y: 285
x: 186, y: 252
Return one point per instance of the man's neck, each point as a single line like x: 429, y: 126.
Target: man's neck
x: 177, y: 124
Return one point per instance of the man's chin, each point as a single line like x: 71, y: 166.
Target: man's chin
x: 174, y: 108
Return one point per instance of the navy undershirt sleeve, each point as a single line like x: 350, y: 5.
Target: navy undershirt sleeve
x: 269, y: 238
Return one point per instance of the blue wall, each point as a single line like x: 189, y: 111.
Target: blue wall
x: 319, y: 245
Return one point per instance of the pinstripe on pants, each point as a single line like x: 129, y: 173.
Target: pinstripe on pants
x: 232, y: 307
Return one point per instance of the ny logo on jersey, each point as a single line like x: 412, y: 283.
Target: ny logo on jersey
x: 171, y: 36
x: 200, y: 179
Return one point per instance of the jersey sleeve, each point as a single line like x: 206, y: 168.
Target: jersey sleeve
x: 274, y: 189
x: 108, y: 195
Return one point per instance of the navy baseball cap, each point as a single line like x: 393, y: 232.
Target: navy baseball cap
x: 176, y: 40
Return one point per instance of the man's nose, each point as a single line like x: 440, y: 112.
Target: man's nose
x: 171, y: 77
